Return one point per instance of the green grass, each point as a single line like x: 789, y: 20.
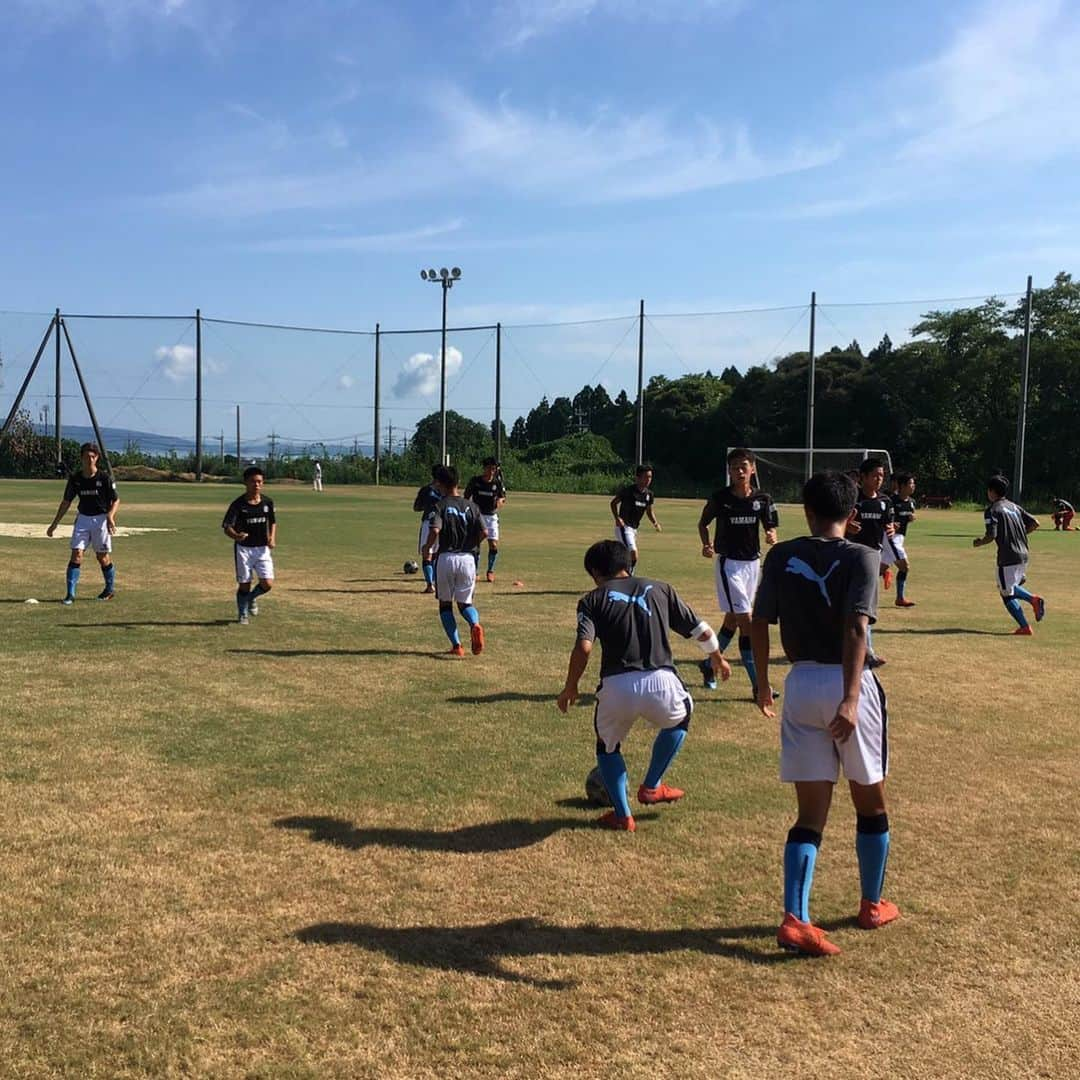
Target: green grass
x: 317, y: 846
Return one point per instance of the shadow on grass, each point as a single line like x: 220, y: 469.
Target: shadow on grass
x: 544, y: 592
x: 131, y: 624
x: 507, y: 835
x: 478, y: 950
x: 939, y: 630
x: 341, y: 652
x: 511, y: 695
x: 404, y: 591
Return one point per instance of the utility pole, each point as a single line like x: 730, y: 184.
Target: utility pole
x: 811, y: 392
x: 198, y: 396
x: 641, y: 386
x: 239, y: 466
x: 221, y: 440
x: 273, y: 437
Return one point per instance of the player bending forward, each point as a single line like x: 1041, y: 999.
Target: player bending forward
x: 95, y: 523
x: 823, y: 592
x: 456, y: 530
x: 632, y: 617
x: 1009, y: 525
x: 251, y: 525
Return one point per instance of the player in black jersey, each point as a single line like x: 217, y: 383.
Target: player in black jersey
x: 489, y: 493
x: 1008, y: 526
x: 894, y: 549
x: 251, y: 524
x: 740, y: 513
x: 823, y: 592
x: 633, y: 617
x: 424, y: 505
x: 628, y: 507
x: 95, y: 523
x: 456, y: 529
x: 871, y: 524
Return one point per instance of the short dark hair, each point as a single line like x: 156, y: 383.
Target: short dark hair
x: 446, y: 475
x: 642, y: 469
x: 254, y: 470
x: 871, y: 463
x: 90, y: 447
x: 998, y: 484
x: 741, y: 453
x: 435, y: 470
x: 902, y: 478
x: 606, y: 558
x: 490, y: 461
x: 830, y: 495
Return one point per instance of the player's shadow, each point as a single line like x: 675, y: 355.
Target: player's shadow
x: 132, y: 624
x: 404, y: 591
x: 480, y: 949
x: 939, y: 630
x: 507, y: 835
x: 543, y: 592
x: 512, y: 695
x: 289, y: 653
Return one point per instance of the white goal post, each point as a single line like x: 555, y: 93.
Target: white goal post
x: 782, y: 470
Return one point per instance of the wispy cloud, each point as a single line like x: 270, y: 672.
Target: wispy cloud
x: 418, y: 239
x: 421, y: 373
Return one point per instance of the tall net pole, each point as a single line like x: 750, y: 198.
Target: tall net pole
x: 377, y: 447
x: 1021, y: 420
x: 810, y: 392
x: 641, y: 385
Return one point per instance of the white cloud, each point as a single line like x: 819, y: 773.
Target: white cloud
x: 178, y: 363
x: 346, y: 382
x: 420, y: 374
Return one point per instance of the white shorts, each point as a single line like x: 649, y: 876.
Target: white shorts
x: 627, y: 535
x: 657, y: 696
x: 491, y: 523
x: 455, y: 576
x: 1008, y: 577
x: 736, y: 584
x: 91, y: 530
x: 807, y: 750
x: 425, y: 528
x: 892, y: 550
x: 253, y: 561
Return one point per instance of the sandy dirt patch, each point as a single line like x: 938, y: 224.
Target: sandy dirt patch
x: 37, y: 531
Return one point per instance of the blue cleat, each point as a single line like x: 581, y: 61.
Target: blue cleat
x: 708, y: 674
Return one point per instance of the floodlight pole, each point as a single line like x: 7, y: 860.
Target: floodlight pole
x: 442, y: 373
x: 641, y: 385
x: 498, y: 391
x: 811, y: 392
x: 377, y: 447
x: 1021, y: 421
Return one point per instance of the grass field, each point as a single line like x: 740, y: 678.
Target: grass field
x: 317, y: 846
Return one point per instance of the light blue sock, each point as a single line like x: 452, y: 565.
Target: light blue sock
x: 664, y: 748
x: 492, y: 556
x: 446, y: 617
x: 72, y: 578
x: 872, y: 850
x: 470, y: 614
x: 901, y: 583
x: 109, y: 574
x: 429, y: 573
x: 613, y: 770
x: 1022, y: 594
x: 747, y: 653
x: 800, y: 856
x: 1012, y: 605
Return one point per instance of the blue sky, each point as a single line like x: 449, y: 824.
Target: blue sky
x: 299, y: 163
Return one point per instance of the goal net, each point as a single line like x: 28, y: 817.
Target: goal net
x: 782, y: 471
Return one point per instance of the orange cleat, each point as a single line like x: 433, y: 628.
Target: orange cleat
x: 805, y: 938
x: 905, y: 602
x: 872, y: 915
x: 650, y: 796
x: 491, y: 575
x: 611, y: 820
x: 476, y: 633
x: 457, y: 650
x: 1023, y: 631
x: 886, y: 577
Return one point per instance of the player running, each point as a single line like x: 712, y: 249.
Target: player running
x: 873, y: 521
x: 740, y: 514
x: 455, y: 529
x: 489, y: 493
x: 822, y: 590
x: 633, y: 618
x: 1064, y: 512
x: 893, y: 550
x: 424, y: 505
x: 252, y: 526
x: 629, y: 505
x: 95, y: 522
x: 1009, y: 525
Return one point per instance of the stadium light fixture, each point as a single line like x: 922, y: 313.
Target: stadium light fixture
x: 446, y: 279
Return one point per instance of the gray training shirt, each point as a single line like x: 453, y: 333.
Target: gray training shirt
x: 810, y: 585
x: 1007, y: 523
x: 633, y: 618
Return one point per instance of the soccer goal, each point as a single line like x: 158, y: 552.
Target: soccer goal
x: 782, y: 470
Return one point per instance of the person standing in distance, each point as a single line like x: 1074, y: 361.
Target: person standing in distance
x: 95, y: 522
x: 489, y: 493
x: 252, y: 526
x: 823, y: 592
x: 894, y: 549
x: 1008, y: 525
x: 628, y: 507
x: 633, y: 617
x: 740, y: 513
x: 870, y: 525
x: 316, y: 477
x: 456, y: 529
x: 424, y: 505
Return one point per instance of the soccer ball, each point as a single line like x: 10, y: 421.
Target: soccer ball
x: 411, y: 567
x: 595, y: 791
